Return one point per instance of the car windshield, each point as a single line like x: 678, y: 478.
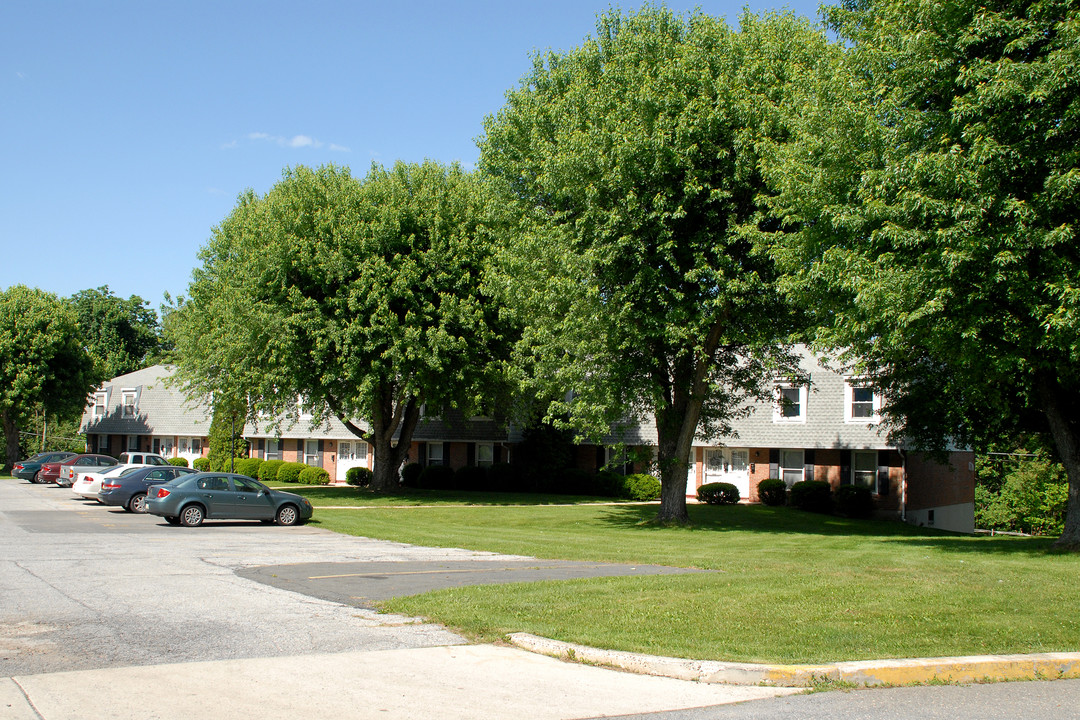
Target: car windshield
x: 54, y: 457
x: 125, y: 471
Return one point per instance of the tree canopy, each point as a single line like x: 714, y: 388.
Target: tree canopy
x: 43, y: 363
x: 362, y: 299
x: 637, y: 270
x: 122, y: 335
x: 935, y: 185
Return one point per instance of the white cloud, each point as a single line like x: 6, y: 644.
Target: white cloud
x: 296, y: 141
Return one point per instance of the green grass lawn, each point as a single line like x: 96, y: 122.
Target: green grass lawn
x: 787, y: 586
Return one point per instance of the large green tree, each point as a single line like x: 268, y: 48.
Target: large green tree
x: 122, y: 335
x: 43, y: 363
x: 361, y: 298
x: 633, y: 162
x: 936, y: 185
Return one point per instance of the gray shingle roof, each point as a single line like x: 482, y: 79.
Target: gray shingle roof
x: 160, y: 409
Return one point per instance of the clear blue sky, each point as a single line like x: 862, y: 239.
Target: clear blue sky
x: 129, y: 128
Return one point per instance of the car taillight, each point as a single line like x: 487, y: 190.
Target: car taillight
x: 161, y: 492
x: 18, y: 466
x: 109, y: 486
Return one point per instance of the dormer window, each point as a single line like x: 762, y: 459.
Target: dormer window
x: 861, y: 403
x: 127, y: 399
x: 790, y: 403
x: 100, y: 400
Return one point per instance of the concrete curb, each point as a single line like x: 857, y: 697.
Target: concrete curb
x: 975, y: 668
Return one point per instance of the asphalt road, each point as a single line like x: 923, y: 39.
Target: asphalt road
x: 85, y: 589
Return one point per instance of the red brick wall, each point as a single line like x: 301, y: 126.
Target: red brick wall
x: 933, y: 484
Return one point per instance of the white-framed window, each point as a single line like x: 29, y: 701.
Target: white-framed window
x: 196, y: 446
x: 864, y: 469
x: 103, y: 444
x: 861, y: 403
x: 790, y: 404
x: 792, y: 464
x: 616, y: 458
x: 435, y: 454
x: 132, y: 443
x: 127, y: 400
x: 311, y: 452
x: 273, y: 451
x: 100, y: 401
x: 485, y: 454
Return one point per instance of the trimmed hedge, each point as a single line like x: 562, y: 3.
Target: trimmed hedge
x: 641, y: 487
x: 314, y: 476
x: 248, y: 466
x: 812, y: 496
x: 358, y: 477
x: 471, y: 477
x: 410, y: 475
x: 437, y: 477
x: 854, y: 501
x: 772, y: 492
x: 269, y: 469
x: 201, y: 464
x: 502, y: 477
x: 178, y: 462
x: 290, y: 472
x: 718, y: 493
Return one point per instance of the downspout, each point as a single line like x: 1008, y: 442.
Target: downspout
x: 903, y: 484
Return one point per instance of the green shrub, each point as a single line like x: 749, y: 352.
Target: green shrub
x: 471, y: 477
x: 855, y: 501
x: 410, y: 475
x: 718, y: 493
x: 269, y: 469
x: 437, y: 477
x: 359, y: 477
x: 248, y: 466
x: 812, y: 496
x: 201, y: 464
x: 290, y: 472
x: 641, y: 487
x: 314, y: 476
x: 178, y: 462
x: 772, y: 492
x: 609, y: 483
x: 502, y: 477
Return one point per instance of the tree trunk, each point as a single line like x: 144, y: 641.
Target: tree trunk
x: 11, y: 438
x: 1063, y: 430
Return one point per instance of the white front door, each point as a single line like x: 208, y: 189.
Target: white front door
x: 350, y: 454
x: 730, y: 466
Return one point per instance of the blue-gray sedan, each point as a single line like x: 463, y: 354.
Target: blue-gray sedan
x: 129, y: 489
x: 224, y: 496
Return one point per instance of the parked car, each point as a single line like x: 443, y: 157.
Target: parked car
x: 30, y: 468
x: 220, y: 496
x: 88, y: 484
x: 57, y: 472
x: 129, y: 488
x: 142, y: 458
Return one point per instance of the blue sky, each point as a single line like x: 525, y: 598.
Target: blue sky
x: 129, y: 128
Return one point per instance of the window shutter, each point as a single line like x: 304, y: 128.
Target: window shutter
x: 600, y: 457
x: 845, y: 467
x: 262, y: 445
x: 774, y: 463
x: 808, y: 465
x: 470, y: 454
x: 882, y: 477
x: 421, y: 454
x: 320, y: 453
x: 496, y: 455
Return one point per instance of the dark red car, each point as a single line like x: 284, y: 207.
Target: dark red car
x: 50, y: 472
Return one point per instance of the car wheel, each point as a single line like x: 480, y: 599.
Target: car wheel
x: 37, y: 478
x: 191, y: 516
x: 172, y: 520
x: 287, y: 515
x: 137, y: 503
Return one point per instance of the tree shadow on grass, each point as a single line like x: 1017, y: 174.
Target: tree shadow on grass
x: 712, y: 519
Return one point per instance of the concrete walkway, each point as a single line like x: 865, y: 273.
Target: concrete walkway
x: 464, y: 681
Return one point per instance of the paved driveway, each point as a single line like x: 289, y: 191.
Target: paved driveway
x: 94, y: 601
